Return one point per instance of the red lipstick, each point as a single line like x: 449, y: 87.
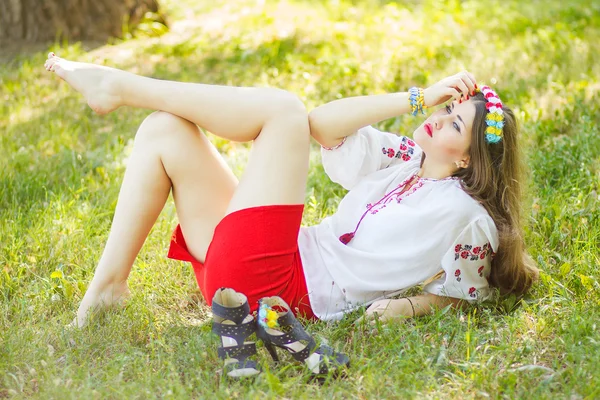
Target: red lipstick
x: 428, y: 129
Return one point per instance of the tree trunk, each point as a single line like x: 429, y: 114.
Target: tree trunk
x: 43, y: 20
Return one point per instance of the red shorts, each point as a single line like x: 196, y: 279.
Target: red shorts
x: 253, y: 251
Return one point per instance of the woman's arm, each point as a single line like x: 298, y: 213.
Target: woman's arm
x: 408, y: 307
x: 333, y: 121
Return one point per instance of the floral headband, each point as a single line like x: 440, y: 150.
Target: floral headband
x: 495, y: 116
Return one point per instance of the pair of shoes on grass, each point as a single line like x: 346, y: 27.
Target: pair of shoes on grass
x: 276, y: 327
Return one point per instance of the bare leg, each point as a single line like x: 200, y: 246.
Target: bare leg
x: 276, y: 120
x: 169, y: 152
x: 234, y: 113
x: 278, y: 167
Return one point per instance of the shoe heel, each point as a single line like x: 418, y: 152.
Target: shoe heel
x: 271, y: 349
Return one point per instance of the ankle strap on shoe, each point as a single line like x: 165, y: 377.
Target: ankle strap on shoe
x: 240, y: 352
x: 235, y: 314
x: 287, y: 319
x: 238, y: 332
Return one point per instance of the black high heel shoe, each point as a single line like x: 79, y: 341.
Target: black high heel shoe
x: 233, y: 322
x: 282, y: 329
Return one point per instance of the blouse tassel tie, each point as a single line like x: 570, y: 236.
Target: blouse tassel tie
x: 347, y: 237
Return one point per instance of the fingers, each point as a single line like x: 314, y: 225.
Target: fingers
x: 383, y: 311
x: 367, y: 319
x: 370, y: 319
x: 465, y: 83
x: 462, y: 87
x: 373, y: 312
x: 453, y: 93
x: 377, y: 311
x: 470, y: 81
x: 360, y: 320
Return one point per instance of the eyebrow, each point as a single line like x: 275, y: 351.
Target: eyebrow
x: 461, y: 120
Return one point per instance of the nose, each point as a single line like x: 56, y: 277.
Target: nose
x: 440, y: 121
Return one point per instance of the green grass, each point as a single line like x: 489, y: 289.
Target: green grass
x: 61, y: 167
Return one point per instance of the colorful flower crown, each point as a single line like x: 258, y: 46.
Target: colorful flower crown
x: 495, y: 116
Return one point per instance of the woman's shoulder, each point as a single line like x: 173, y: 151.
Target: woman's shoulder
x: 463, y: 203
x: 468, y: 216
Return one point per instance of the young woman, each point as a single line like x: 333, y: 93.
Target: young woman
x: 442, y: 208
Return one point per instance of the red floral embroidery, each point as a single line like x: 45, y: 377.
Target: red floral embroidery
x: 457, y: 275
x: 467, y: 251
x: 480, y: 271
x: 405, y: 150
x: 389, y: 152
x: 473, y: 292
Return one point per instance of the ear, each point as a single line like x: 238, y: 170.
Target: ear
x: 464, y: 163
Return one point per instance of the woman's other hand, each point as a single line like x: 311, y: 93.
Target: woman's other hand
x: 385, y: 310
x: 458, y: 87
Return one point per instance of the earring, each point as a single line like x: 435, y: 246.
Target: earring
x: 456, y: 162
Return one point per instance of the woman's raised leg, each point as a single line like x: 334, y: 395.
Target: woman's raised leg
x: 276, y: 120
x: 234, y: 113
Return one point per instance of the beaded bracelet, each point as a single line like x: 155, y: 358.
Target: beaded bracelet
x: 416, y: 100
x: 411, y: 306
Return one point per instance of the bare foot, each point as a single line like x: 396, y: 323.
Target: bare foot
x: 98, y: 84
x: 113, y: 295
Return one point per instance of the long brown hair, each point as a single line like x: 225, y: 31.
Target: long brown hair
x: 493, y: 177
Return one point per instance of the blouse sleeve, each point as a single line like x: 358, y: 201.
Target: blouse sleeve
x: 467, y: 264
x: 366, y: 151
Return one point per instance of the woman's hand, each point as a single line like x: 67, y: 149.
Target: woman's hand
x: 385, y: 310
x: 459, y: 87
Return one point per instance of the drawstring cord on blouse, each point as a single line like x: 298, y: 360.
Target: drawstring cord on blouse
x: 347, y: 237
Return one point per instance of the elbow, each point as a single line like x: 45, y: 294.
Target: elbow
x: 323, y: 126
x: 314, y: 122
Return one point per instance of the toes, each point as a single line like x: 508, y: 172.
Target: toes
x: 52, y: 59
x: 51, y: 63
x: 58, y: 70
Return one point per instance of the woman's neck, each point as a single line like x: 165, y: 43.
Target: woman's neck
x: 434, y: 171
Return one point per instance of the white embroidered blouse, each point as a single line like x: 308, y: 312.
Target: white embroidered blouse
x: 383, y: 240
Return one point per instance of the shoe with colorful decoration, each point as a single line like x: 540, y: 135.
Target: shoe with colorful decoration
x: 277, y: 326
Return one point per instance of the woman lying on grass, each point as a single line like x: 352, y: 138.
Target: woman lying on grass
x: 441, y: 208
